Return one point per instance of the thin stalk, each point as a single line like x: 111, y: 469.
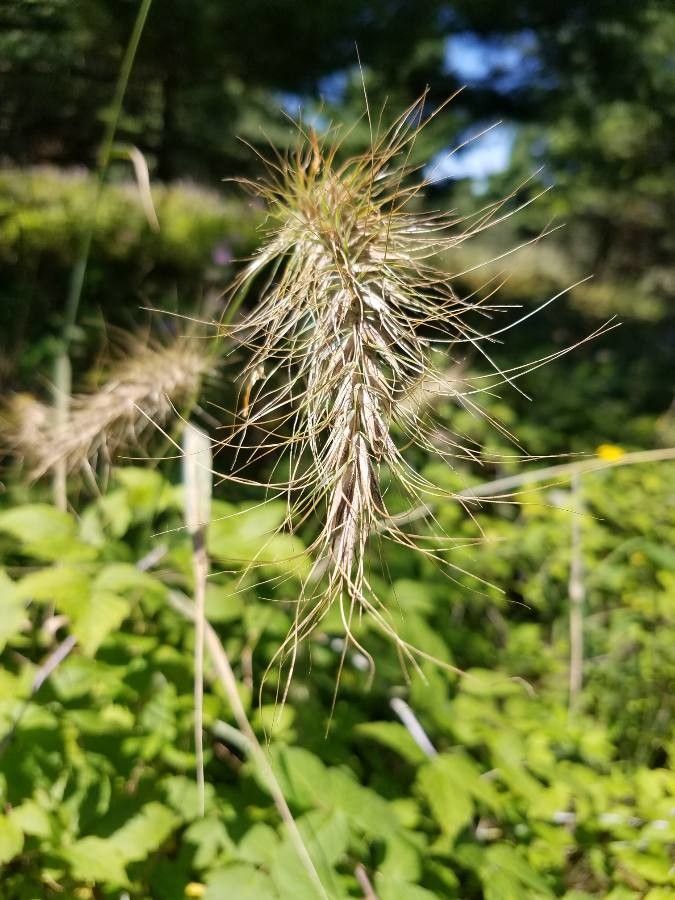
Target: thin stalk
x: 577, y: 595
x: 413, y: 726
x: 502, y: 487
x: 364, y: 883
x: 62, y: 362
x: 200, y: 565
x: 567, y: 470
x: 61, y: 397
x: 228, y: 680
x: 103, y: 161
x: 197, y: 484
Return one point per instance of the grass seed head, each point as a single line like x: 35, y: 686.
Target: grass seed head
x: 351, y: 308
x: 143, y: 388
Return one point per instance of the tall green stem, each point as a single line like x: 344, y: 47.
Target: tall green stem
x: 103, y: 161
x: 62, y: 366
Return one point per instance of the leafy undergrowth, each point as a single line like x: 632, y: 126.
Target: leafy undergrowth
x: 522, y: 800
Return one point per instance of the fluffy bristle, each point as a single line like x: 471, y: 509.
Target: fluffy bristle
x: 25, y: 423
x: 342, y: 333
x: 142, y: 389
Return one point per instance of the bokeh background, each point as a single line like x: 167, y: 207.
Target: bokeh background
x: 533, y: 792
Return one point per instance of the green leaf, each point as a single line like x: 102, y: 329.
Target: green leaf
x: 242, y: 882
x: 504, y: 869
x: 394, y: 736
x: 461, y: 768
x: 291, y: 878
x: 103, y: 614
x: 11, y: 839
x: 114, y: 510
x: 306, y: 782
x: 129, y: 581
x: 12, y: 610
x: 448, y: 797
x: 145, y: 832
x: 250, y: 535
x: 147, y: 491
x: 411, y: 596
x: 112, y: 719
x: 31, y: 819
x: 182, y: 795
x: 97, y: 860
x: 45, y: 533
x: 302, y: 776
x: 259, y: 845
x: 325, y: 834
x: 389, y: 888
x: 93, y: 615
x: 66, y: 586
x: 489, y: 683
x: 210, y: 839
x: 402, y: 860
x: 255, y: 520
x: 224, y: 602
x: 655, y: 868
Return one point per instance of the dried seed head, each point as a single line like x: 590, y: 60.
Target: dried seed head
x: 342, y: 332
x: 348, y: 316
x: 25, y: 425
x: 142, y: 388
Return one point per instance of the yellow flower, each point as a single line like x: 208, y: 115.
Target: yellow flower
x: 609, y: 452
x: 194, y: 889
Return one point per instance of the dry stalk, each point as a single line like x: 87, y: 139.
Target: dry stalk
x: 197, y: 486
x: 577, y: 593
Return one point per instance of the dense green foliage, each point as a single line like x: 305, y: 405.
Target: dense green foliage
x: 524, y: 798
x: 44, y: 213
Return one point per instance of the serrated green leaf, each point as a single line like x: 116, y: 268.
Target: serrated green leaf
x: 128, y: 580
x: 302, y: 776
x: 147, y: 491
x: 654, y: 867
x: 326, y: 835
x: 366, y: 810
x: 224, y: 602
x: 307, y: 783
